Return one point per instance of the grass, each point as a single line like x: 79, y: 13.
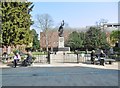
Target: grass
x: 39, y: 53
x: 79, y: 52
x: 33, y: 53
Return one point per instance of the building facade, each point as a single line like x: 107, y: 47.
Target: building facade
x: 52, y: 39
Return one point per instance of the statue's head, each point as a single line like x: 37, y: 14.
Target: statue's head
x: 63, y: 22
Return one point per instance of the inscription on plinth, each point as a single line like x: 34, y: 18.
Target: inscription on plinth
x: 61, y: 42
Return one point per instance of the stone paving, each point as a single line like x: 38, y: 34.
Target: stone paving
x: 61, y: 75
x: 115, y: 65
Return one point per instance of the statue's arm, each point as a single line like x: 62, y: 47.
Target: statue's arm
x: 63, y: 23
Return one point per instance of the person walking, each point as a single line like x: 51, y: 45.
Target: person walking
x: 16, y: 59
x: 102, y: 58
x: 93, y: 57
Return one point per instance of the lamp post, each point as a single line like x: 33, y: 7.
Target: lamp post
x: 119, y: 36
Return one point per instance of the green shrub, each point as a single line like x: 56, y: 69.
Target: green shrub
x: 22, y: 58
x: 39, y: 53
x: 116, y: 49
x: 33, y: 58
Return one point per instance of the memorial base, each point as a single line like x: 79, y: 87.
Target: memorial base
x: 61, y: 42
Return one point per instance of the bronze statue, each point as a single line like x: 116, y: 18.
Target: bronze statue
x: 60, y: 31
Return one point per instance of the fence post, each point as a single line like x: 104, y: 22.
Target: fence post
x: 48, y: 57
x: 76, y: 52
x: 77, y: 58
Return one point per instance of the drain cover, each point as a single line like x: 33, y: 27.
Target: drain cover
x: 34, y: 75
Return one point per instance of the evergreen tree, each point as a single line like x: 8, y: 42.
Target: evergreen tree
x: 76, y: 40
x: 16, y: 23
x: 36, y: 43
x: 95, y: 38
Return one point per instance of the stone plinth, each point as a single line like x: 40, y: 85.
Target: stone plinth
x: 61, y: 42
x: 60, y: 52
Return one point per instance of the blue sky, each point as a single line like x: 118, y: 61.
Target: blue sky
x: 77, y: 14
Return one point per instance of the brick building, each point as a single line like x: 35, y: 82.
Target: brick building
x: 52, y: 39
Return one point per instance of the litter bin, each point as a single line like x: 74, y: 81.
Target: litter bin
x: 102, y: 62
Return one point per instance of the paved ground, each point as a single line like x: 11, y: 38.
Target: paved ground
x: 114, y: 66
x: 65, y: 74
x: 87, y: 64
x: 59, y: 76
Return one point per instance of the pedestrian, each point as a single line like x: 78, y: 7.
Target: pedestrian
x: 16, y: 59
x: 111, y: 51
x: 93, y: 56
x: 5, y: 55
x: 102, y: 58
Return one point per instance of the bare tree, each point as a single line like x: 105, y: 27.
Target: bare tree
x: 101, y: 23
x: 44, y: 22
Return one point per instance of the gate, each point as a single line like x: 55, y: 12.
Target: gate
x: 41, y: 58
x: 61, y: 58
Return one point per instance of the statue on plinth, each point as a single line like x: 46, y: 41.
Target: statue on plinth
x: 60, y: 31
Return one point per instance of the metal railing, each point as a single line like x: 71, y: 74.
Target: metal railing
x: 64, y: 58
x: 40, y: 58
